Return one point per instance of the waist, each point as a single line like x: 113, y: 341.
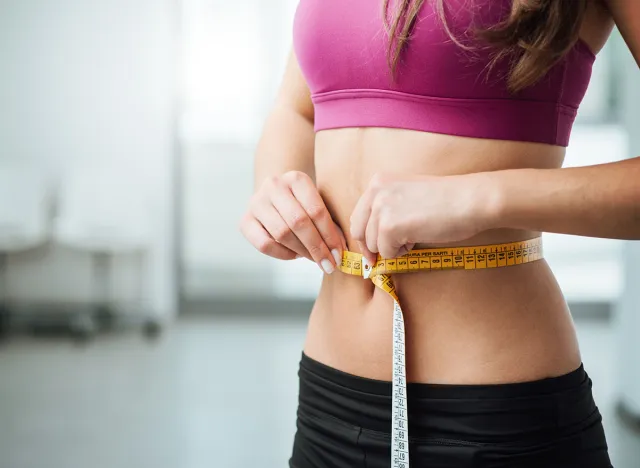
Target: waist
x: 491, y: 325
x: 462, y: 326
x: 346, y: 159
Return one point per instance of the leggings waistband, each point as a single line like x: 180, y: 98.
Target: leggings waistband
x: 551, y: 404
x: 533, y: 388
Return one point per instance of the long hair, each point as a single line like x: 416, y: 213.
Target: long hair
x: 535, y: 36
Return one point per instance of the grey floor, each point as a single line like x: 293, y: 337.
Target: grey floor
x: 214, y: 391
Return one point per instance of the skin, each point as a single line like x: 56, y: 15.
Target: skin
x: 317, y: 194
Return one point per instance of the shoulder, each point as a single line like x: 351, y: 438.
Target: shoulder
x: 626, y: 16
x: 597, y: 25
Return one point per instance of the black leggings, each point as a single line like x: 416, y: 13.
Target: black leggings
x: 345, y: 420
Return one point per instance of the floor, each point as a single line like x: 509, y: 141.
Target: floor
x: 191, y: 399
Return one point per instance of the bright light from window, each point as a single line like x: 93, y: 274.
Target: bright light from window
x: 224, y: 70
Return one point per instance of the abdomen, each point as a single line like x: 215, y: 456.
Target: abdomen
x: 484, y: 326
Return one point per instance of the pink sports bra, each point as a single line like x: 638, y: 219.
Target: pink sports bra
x: 341, y: 46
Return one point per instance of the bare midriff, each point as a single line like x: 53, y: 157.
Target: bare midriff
x: 462, y: 327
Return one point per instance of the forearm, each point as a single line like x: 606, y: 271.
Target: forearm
x: 287, y: 144
x: 593, y: 201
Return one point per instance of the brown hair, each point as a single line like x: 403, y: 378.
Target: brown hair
x: 534, y: 36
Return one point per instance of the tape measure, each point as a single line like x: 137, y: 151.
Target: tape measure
x: 450, y: 258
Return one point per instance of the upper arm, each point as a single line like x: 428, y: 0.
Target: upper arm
x: 294, y: 92
x: 626, y: 14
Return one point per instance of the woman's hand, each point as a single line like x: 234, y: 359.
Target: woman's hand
x: 287, y: 219
x: 397, y: 212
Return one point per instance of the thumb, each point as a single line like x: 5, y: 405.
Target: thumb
x: 405, y: 249
x: 371, y: 257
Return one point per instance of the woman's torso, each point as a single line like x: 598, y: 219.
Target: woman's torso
x: 486, y: 326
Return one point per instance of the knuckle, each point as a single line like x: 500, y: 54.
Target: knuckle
x: 276, y: 183
x: 242, y: 224
x: 296, y: 176
x: 299, y: 221
x: 315, y: 251
x: 300, y: 176
x: 282, y: 234
x: 331, y: 240
x: 272, y: 181
x: 265, y: 246
x: 377, y: 180
x: 246, y: 216
x: 379, y: 204
x: 316, y: 212
x: 253, y: 201
x: 256, y: 206
x: 261, y: 194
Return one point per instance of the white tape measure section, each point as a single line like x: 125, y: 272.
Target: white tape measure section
x: 399, y: 412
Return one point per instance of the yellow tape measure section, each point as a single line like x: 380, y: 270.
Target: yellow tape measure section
x: 457, y: 258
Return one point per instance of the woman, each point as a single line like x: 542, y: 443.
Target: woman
x: 440, y: 123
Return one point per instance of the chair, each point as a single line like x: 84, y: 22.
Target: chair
x: 26, y: 201
x: 103, y: 211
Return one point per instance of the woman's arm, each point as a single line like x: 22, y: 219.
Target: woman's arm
x: 287, y: 217
x: 287, y: 139
x: 396, y: 212
x: 595, y: 201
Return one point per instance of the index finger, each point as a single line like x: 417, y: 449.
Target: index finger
x: 307, y: 195
x: 359, y: 221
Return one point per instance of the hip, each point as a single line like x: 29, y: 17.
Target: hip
x: 343, y: 420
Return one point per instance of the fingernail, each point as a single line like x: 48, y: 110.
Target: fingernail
x: 298, y: 256
x: 327, y: 266
x: 337, y: 256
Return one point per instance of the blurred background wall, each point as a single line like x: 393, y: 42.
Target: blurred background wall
x: 92, y: 85
x: 234, y: 56
x: 627, y: 305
